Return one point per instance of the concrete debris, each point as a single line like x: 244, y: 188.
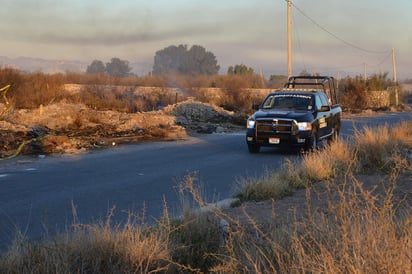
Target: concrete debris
x: 73, y: 128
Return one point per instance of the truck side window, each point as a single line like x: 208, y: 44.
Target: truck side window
x: 318, y: 102
x: 269, y: 102
x: 324, y: 99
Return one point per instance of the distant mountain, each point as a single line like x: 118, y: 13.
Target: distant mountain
x: 41, y: 65
x: 28, y: 64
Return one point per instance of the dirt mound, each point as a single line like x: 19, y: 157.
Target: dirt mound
x: 72, y: 128
x: 203, y: 118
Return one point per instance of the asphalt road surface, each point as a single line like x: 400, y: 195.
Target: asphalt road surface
x: 40, y: 196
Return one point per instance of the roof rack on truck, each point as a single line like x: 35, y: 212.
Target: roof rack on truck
x: 325, y: 83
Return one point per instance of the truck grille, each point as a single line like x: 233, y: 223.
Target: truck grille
x: 275, y: 126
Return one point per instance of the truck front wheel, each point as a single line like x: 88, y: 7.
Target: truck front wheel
x: 312, y: 142
x: 253, y: 148
x: 335, y: 133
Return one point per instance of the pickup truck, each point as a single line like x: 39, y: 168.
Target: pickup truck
x: 302, y: 114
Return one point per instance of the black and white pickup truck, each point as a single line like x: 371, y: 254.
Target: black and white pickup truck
x: 302, y: 114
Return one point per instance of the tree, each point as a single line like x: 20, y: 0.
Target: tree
x: 379, y: 82
x: 118, y: 68
x: 240, y: 70
x: 277, y: 81
x: 96, y: 66
x: 180, y: 59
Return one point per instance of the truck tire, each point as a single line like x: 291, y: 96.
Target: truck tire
x: 313, y: 142
x: 253, y: 148
x: 335, y: 134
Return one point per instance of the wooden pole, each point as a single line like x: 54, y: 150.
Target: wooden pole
x: 289, y: 24
x: 394, y: 65
x: 394, y: 78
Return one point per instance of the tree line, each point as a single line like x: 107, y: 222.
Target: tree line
x: 181, y: 59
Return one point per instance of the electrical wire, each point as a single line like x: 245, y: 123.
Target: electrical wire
x: 300, y: 47
x: 334, y: 35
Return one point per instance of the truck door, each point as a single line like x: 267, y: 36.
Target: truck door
x: 325, y: 118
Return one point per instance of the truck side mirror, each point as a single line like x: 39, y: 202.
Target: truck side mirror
x: 324, y: 109
x: 255, y: 106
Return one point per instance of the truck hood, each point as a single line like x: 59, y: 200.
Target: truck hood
x: 300, y: 116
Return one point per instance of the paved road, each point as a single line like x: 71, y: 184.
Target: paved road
x: 40, y: 195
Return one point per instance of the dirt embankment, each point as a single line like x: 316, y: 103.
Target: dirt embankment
x: 75, y: 128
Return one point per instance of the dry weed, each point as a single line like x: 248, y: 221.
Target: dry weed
x: 379, y: 148
x: 95, y: 248
x: 327, y: 163
x: 359, y: 233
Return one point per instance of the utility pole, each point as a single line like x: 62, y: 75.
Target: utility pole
x: 394, y: 65
x: 394, y: 77
x: 364, y: 72
x: 289, y: 40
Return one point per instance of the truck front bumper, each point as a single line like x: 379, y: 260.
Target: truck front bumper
x: 302, y: 138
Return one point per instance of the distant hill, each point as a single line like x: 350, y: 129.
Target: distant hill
x: 42, y: 65
x: 28, y: 64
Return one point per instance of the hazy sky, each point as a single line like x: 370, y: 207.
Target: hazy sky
x: 329, y: 36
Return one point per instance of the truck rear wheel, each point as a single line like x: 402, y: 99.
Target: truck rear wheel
x: 253, y: 148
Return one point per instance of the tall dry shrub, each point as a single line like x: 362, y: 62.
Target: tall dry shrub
x: 329, y: 162
x: 235, y: 96
x: 381, y: 148
x: 95, y: 248
x: 358, y: 233
x: 102, y: 97
x: 12, y: 77
x: 353, y: 93
x: 270, y: 185
x: 360, y: 230
x: 32, y: 90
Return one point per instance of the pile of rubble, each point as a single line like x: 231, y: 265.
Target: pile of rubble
x: 203, y: 118
x: 72, y: 128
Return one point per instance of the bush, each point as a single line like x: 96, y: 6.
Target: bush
x: 32, y: 90
x: 382, y: 148
x: 98, y: 248
x: 355, y: 93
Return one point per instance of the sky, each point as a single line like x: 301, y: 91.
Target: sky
x: 331, y: 37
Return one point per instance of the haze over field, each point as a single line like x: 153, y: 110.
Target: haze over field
x: 329, y: 36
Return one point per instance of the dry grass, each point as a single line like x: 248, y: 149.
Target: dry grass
x: 270, y: 185
x: 358, y: 232
x: 319, y: 165
x: 35, y: 89
x: 95, y: 248
x: 381, y: 148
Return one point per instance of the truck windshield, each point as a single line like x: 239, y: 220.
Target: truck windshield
x: 288, y: 101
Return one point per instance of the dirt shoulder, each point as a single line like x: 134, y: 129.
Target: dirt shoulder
x: 319, y: 198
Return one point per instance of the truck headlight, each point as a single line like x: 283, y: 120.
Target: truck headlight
x: 251, y: 123
x: 304, y: 126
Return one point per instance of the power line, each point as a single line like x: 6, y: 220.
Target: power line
x: 300, y: 47
x: 334, y: 35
